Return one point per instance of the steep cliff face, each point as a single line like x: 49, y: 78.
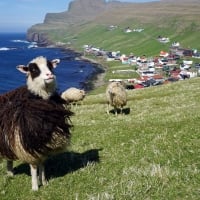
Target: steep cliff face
x: 79, y: 11
x: 87, y: 7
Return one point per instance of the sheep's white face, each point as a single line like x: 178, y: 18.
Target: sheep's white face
x: 41, y: 71
x: 83, y: 92
x: 40, y: 77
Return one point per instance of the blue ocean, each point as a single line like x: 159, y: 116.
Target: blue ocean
x: 16, y: 50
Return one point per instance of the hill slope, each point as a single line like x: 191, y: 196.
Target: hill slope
x: 86, y: 22
x: 152, y: 152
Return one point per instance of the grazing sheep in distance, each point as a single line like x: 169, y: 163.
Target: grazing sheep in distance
x: 73, y: 95
x: 116, y: 96
x: 33, y: 121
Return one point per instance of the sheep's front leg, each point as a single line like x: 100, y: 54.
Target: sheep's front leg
x: 34, y: 177
x: 42, y: 178
x: 121, y: 110
x: 108, y: 108
x: 10, y: 167
x: 115, y: 110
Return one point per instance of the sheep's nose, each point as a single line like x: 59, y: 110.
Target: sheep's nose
x: 49, y: 75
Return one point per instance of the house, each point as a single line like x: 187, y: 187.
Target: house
x: 127, y: 30
x: 163, y: 39
x: 175, y: 44
x: 154, y: 80
x: 164, y: 54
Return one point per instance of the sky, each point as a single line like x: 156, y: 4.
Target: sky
x: 19, y: 15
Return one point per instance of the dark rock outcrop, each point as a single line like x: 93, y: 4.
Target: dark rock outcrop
x: 39, y: 37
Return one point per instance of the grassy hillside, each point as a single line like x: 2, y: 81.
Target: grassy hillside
x: 151, y: 152
x: 139, y: 43
x: 179, y: 21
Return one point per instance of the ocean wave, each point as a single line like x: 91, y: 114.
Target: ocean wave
x: 21, y: 41
x: 32, y: 45
x: 7, y: 49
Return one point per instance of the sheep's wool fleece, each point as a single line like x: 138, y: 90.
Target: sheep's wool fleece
x: 39, y: 123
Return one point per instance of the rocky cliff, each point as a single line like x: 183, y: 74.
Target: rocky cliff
x: 79, y: 12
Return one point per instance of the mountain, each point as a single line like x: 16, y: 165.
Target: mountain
x: 79, y: 11
x: 82, y: 15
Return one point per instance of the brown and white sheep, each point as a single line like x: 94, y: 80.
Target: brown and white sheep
x: 73, y: 95
x: 116, y: 96
x: 33, y: 121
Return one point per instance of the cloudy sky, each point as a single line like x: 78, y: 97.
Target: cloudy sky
x: 19, y: 15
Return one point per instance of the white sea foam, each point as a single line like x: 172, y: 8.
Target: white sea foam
x: 6, y: 49
x: 20, y: 41
x: 32, y: 45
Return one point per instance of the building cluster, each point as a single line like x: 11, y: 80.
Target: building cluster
x: 174, y: 65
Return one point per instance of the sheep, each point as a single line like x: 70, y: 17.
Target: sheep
x: 73, y: 95
x: 116, y: 96
x: 34, y: 124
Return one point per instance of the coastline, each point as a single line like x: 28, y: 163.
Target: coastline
x: 94, y: 80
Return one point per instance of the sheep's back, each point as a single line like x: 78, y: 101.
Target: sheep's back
x: 118, y: 97
x: 116, y: 94
x: 73, y: 94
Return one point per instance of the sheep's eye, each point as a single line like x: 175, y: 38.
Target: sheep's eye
x: 50, y: 66
x: 34, y: 70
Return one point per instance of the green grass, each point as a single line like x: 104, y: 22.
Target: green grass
x: 150, y: 153
x: 143, y: 43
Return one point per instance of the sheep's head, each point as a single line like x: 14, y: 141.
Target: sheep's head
x: 83, y: 93
x: 41, y: 79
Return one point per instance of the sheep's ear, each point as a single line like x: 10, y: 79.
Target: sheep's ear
x: 22, y: 68
x: 55, y: 62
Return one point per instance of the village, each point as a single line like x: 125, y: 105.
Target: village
x: 175, y: 65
